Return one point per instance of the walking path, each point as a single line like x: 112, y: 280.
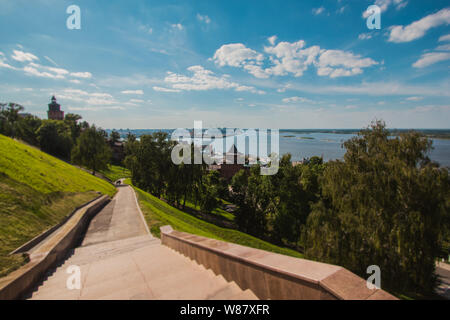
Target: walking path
x: 119, y: 259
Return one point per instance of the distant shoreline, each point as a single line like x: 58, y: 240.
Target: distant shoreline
x: 443, y: 134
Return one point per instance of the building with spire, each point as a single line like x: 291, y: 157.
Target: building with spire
x: 54, y: 110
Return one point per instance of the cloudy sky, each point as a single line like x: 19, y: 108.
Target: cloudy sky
x: 245, y: 63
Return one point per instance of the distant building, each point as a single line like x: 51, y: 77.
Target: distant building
x: 54, y: 110
x: 233, y: 162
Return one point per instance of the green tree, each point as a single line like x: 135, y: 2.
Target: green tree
x: 9, y: 118
x: 253, y: 194
x: 54, y: 137
x: 71, y: 120
x: 27, y: 129
x: 114, y: 137
x: 384, y: 205
x: 91, y: 150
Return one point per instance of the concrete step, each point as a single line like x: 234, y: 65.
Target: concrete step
x: 245, y: 295
x: 137, y: 268
x: 229, y: 291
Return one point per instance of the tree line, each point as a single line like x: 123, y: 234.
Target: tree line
x: 149, y: 160
x: 69, y: 139
x: 386, y: 203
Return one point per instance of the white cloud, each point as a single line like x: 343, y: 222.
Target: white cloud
x: 297, y: 99
x: 338, y: 63
x: 137, y: 101
x: 418, y: 28
x: 430, y: 58
x: 444, y: 38
x: 444, y: 47
x: 57, y: 71
x: 88, y: 98
x: 385, y: 4
x: 146, y: 29
x: 84, y: 75
x: 236, y: 55
x: 341, y: 10
x: 23, y: 56
x: 177, y: 26
x: 202, y: 80
x: 291, y: 58
x: 204, y: 19
x: 138, y: 92
x: 391, y: 88
x: 365, y: 36
x: 75, y: 81
x: 96, y: 108
x: 3, y: 63
x: 414, y: 98
x: 161, y: 89
x: 317, y: 11
x: 272, y: 40
x: 33, y: 71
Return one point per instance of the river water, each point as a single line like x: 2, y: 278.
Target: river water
x: 312, y: 143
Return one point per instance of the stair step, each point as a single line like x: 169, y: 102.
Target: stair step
x: 245, y: 295
x: 231, y: 290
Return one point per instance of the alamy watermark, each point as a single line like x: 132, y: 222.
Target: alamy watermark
x: 209, y: 150
x: 373, y: 14
x: 73, y: 282
x: 374, y: 281
x: 74, y: 20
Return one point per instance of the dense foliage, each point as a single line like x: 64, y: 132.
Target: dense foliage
x: 68, y: 139
x: 91, y: 150
x: 152, y: 170
x: 384, y: 205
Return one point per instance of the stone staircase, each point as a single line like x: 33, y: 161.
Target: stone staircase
x: 136, y: 268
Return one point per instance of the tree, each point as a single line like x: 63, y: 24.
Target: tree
x: 71, y: 120
x: 253, y: 194
x: 27, y: 128
x: 384, y: 205
x: 9, y: 119
x: 114, y: 137
x: 54, y: 137
x: 91, y: 150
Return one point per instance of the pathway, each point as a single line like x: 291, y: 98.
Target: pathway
x: 119, y: 259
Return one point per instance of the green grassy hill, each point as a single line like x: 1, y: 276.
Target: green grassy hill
x: 36, y: 192
x: 158, y: 213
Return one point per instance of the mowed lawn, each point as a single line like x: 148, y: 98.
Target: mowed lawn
x: 158, y: 213
x: 36, y: 192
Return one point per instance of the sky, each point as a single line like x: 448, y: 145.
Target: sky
x: 142, y: 64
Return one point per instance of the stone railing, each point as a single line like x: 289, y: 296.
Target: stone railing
x: 270, y: 275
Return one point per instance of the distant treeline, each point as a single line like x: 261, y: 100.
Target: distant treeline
x: 384, y: 204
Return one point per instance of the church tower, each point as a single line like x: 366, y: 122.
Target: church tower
x: 54, y: 111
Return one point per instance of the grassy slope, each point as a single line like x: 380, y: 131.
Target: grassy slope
x: 36, y: 192
x: 158, y: 213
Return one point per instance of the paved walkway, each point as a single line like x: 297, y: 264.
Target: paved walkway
x: 120, y: 219
x: 119, y: 259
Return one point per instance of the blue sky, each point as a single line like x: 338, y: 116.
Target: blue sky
x: 251, y: 64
